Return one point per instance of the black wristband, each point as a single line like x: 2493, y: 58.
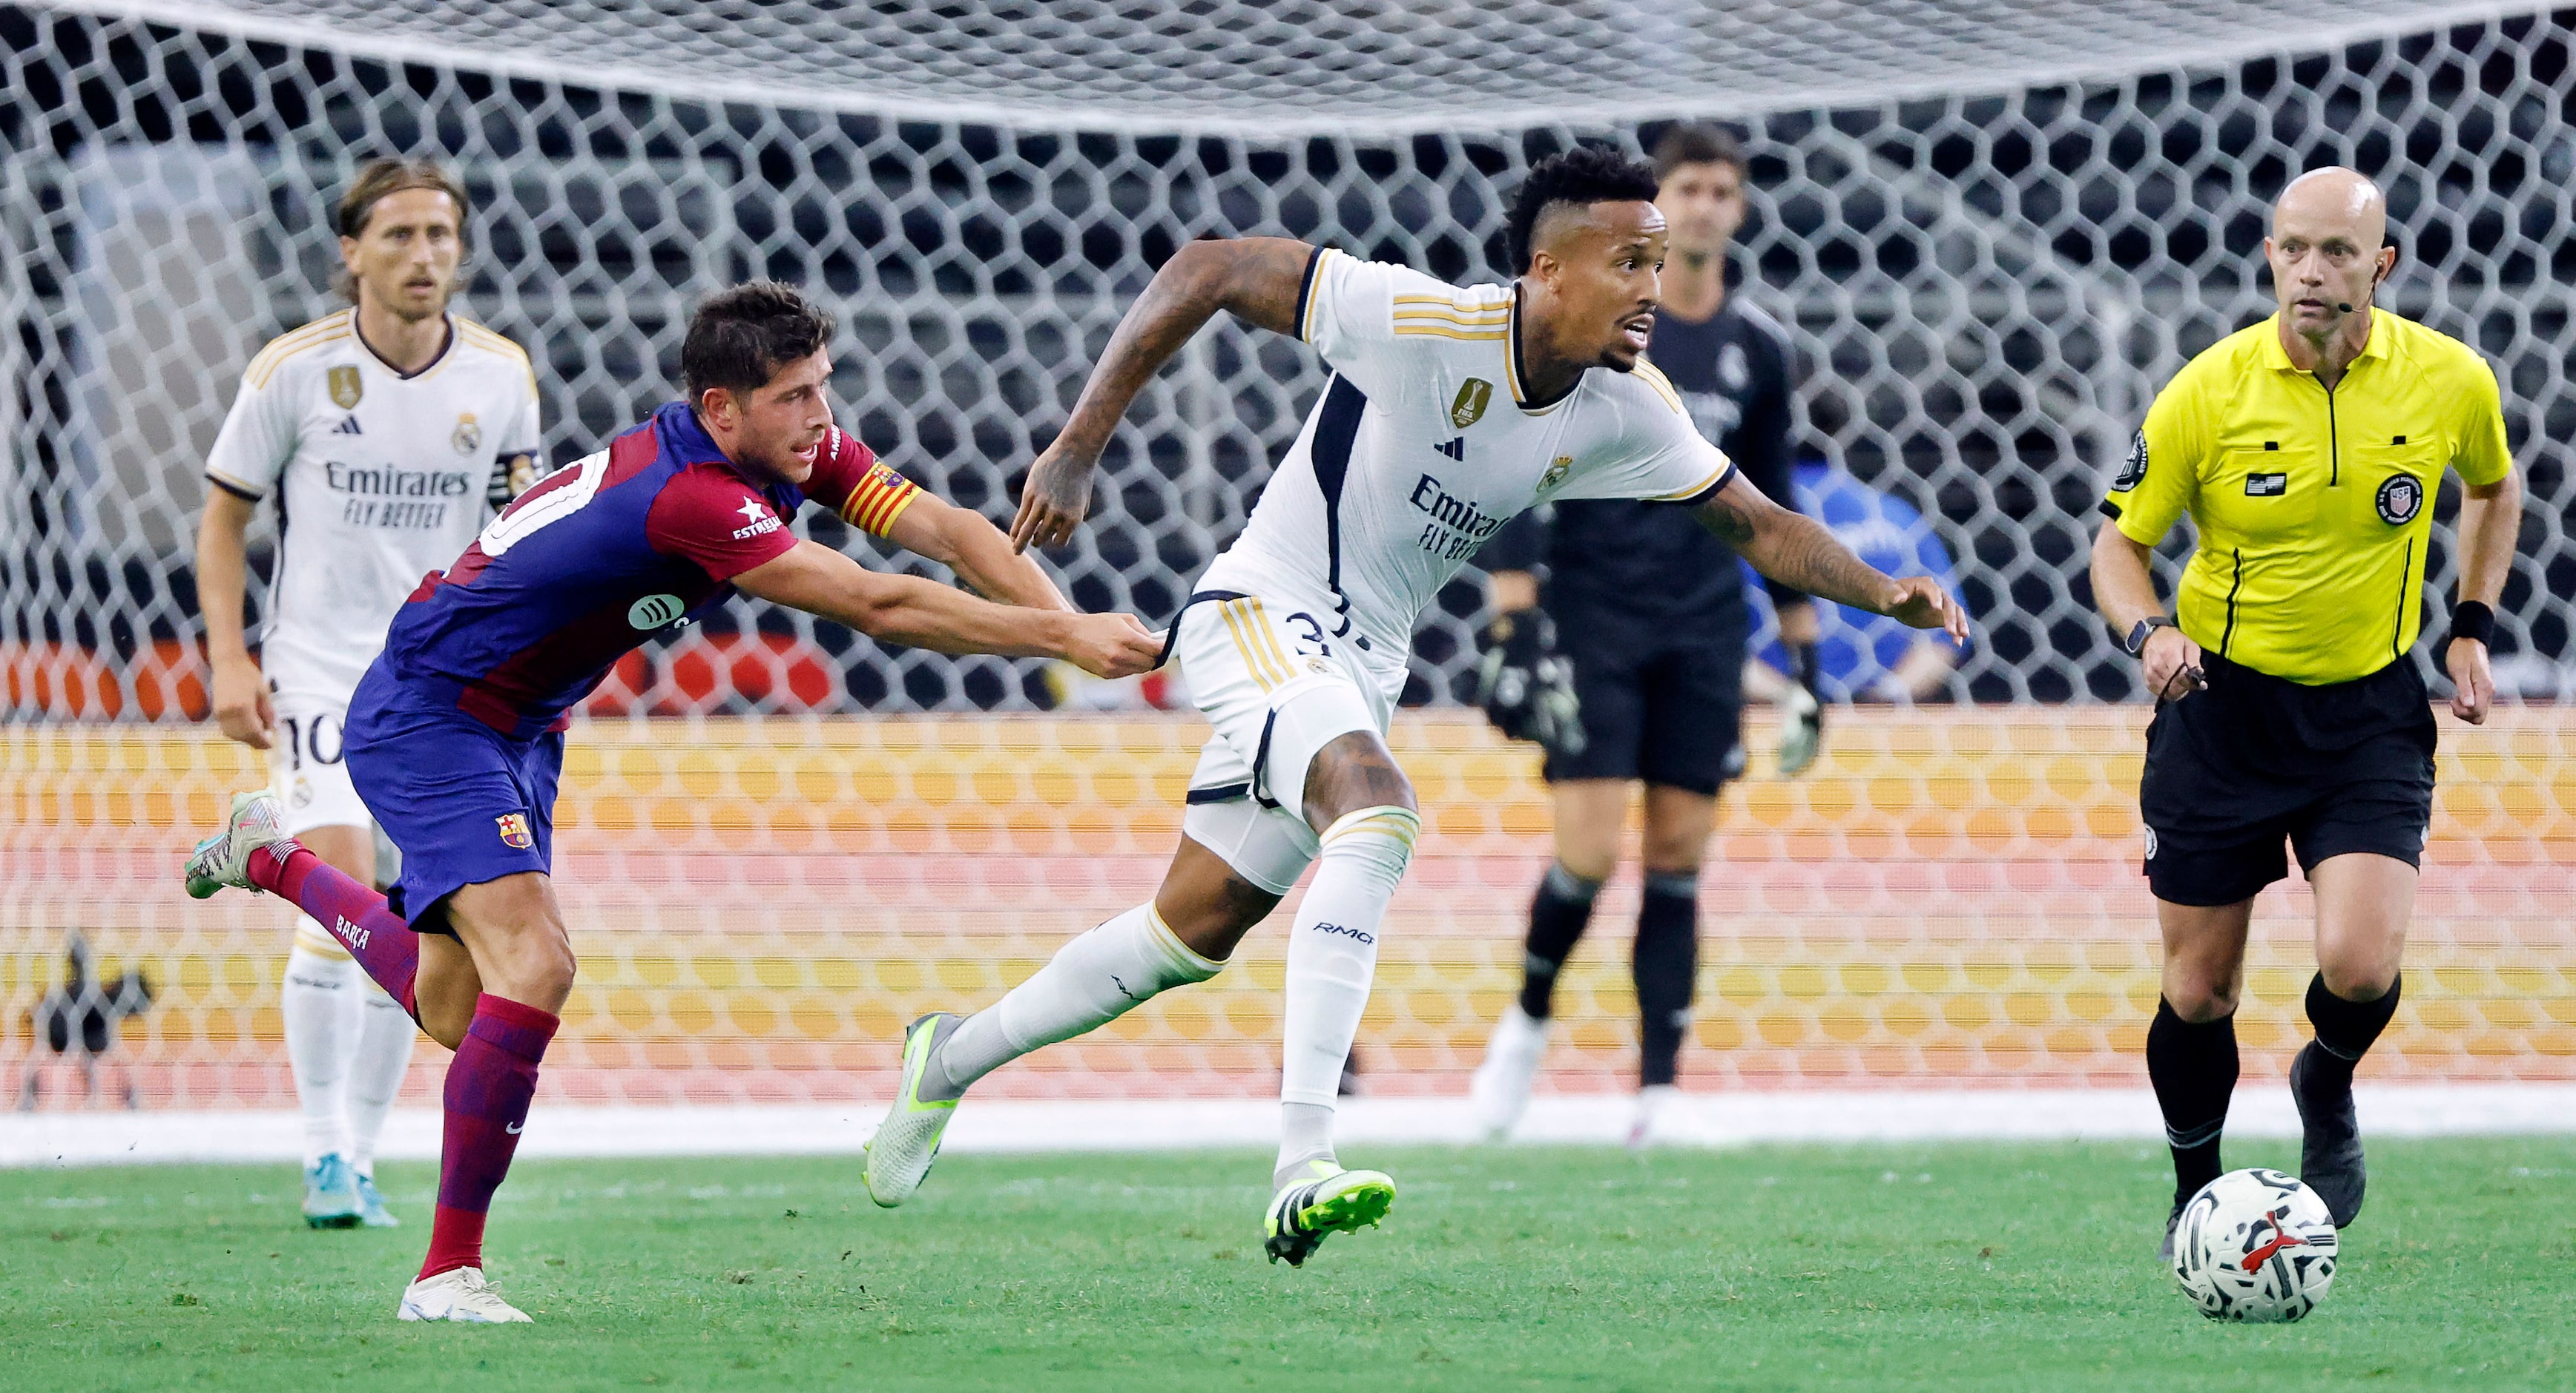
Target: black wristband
x: 2474, y: 620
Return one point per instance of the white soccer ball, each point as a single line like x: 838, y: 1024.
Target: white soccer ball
x: 2255, y: 1245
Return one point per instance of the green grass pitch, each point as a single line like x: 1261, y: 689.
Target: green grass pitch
x: 1914, y: 1266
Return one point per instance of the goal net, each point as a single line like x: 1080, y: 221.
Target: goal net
x: 1992, y: 231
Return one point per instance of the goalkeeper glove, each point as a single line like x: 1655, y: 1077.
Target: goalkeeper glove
x: 1526, y: 687
x: 1802, y: 715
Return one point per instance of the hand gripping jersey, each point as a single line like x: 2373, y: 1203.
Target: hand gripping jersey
x: 380, y: 478
x: 1427, y: 441
x: 603, y: 555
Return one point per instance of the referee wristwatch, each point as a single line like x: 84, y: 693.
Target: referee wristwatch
x: 2136, y: 642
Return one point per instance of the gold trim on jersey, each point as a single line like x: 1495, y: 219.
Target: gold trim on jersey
x: 1313, y: 290
x: 1512, y: 367
x: 1654, y: 377
x: 1453, y: 310
x: 330, y: 328
x: 1695, y: 490
x: 494, y: 341
x: 1434, y: 331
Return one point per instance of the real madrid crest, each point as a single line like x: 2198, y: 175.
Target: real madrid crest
x: 468, y: 435
x: 346, y: 389
x: 1469, y: 405
x: 1556, y: 471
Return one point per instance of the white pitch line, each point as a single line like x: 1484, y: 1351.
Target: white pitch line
x: 1711, y: 1119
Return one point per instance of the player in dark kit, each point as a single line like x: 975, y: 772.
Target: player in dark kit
x: 1633, y: 670
x: 455, y: 736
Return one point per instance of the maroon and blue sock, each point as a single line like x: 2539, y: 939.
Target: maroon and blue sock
x: 357, y: 916
x: 489, y: 1084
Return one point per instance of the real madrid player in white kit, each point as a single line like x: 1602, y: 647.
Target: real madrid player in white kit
x: 386, y: 433
x: 1449, y: 411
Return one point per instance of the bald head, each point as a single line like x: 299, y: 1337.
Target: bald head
x: 2328, y: 251
x: 2334, y: 199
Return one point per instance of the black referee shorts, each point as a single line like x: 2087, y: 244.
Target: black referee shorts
x: 1669, y: 712
x: 2234, y: 771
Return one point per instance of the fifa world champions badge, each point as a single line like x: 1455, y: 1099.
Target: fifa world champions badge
x: 514, y: 830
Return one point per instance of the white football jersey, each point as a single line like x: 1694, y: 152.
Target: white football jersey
x: 1426, y: 441
x: 380, y: 479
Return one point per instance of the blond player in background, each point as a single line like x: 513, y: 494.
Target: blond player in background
x: 387, y: 432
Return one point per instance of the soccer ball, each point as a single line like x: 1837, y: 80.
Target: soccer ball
x: 2255, y: 1245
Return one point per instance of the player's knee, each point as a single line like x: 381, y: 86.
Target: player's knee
x: 2358, y: 976
x: 2200, y: 998
x: 1355, y: 771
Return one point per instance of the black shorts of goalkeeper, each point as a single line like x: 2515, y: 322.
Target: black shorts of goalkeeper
x: 2257, y: 762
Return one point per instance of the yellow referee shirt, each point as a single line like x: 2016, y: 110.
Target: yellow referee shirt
x: 2313, y: 506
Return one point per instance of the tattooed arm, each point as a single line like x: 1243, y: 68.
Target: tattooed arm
x: 1797, y: 550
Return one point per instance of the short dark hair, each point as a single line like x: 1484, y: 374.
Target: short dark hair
x: 379, y: 180
x: 1585, y: 174
x: 1692, y: 143
x: 740, y: 337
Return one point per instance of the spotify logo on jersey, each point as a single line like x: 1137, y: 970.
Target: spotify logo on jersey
x: 654, y: 611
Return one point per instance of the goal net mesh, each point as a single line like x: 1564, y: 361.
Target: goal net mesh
x: 1991, y: 230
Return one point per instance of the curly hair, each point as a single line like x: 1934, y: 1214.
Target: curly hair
x: 1584, y: 174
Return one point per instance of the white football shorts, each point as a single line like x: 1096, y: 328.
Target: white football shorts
x: 304, y: 764
x: 1278, y: 685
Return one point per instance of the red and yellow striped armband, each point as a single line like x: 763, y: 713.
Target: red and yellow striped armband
x: 877, y: 499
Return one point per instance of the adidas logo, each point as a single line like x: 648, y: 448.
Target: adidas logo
x: 1454, y: 449
x: 347, y: 426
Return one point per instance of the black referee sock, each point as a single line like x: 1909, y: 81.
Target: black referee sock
x: 1666, y: 966
x: 1558, y: 915
x: 2346, y: 1029
x: 2194, y: 1070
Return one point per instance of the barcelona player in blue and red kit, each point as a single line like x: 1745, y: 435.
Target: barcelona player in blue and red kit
x: 455, y: 736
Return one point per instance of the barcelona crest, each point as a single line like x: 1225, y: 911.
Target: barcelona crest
x: 514, y: 830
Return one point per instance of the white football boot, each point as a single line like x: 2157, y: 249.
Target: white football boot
x: 899, y: 1155
x: 222, y: 861
x: 1500, y: 1091
x: 462, y: 1295
x: 1654, y: 1102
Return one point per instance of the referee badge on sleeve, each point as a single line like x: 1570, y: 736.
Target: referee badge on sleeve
x: 2401, y: 497
x: 514, y: 830
x: 2133, y: 470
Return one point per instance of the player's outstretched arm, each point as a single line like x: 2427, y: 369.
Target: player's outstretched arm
x: 924, y: 614
x: 966, y: 542
x: 1798, y: 550
x: 1258, y: 278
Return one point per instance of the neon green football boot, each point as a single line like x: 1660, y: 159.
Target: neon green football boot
x: 1331, y: 1200
x: 899, y: 1155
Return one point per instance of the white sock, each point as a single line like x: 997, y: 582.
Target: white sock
x: 320, y: 1003
x: 385, y: 1038
x: 1090, y: 982
x: 1332, y: 957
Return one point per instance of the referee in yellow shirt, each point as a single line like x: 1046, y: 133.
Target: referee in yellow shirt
x: 2307, y: 450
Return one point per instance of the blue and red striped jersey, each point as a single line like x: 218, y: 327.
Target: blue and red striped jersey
x: 605, y: 554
